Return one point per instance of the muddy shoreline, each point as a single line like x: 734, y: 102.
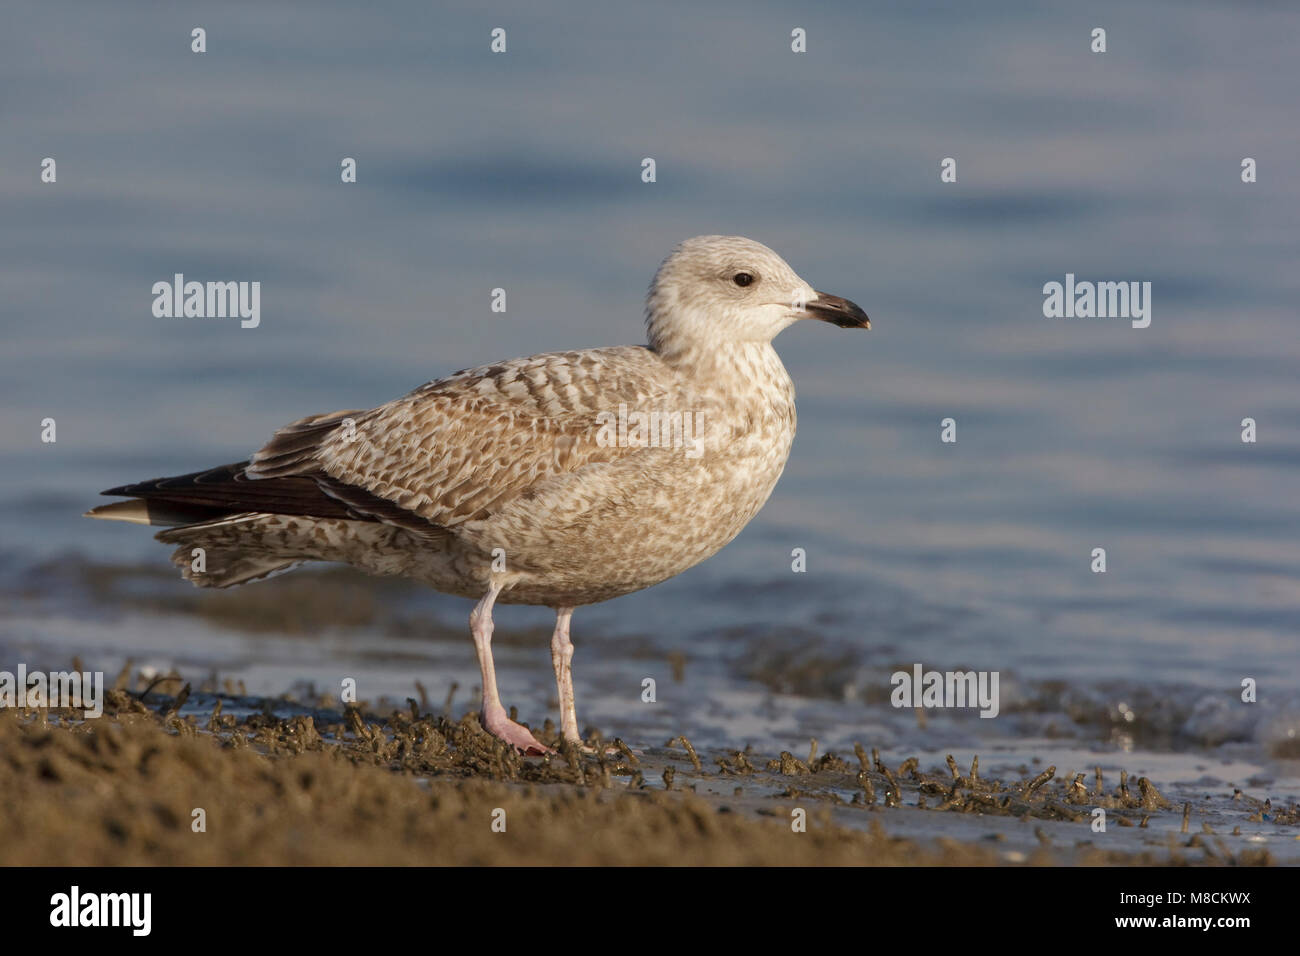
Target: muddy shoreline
x: 219, y: 779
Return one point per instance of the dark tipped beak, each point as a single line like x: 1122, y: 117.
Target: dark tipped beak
x: 837, y: 311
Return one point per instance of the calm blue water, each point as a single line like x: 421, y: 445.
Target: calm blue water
x: 522, y: 171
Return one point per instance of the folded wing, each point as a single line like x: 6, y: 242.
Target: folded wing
x: 459, y: 448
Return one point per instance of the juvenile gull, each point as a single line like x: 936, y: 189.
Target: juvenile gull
x: 561, y: 479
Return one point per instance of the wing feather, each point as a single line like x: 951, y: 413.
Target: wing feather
x: 460, y: 448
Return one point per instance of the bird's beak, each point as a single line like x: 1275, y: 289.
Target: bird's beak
x: 833, y: 309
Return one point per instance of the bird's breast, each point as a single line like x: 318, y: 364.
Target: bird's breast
x: 701, y: 464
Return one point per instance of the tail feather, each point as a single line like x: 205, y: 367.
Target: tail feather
x: 227, y: 551
x: 226, y: 569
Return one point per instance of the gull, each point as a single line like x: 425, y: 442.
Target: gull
x: 562, y: 479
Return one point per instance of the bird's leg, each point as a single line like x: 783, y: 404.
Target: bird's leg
x: 561, y: 660
x: 495, y: 719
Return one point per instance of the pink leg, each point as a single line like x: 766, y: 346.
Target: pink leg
x: 561, y: 660
x: 495, y: 719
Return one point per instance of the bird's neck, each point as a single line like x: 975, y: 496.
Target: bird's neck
x: 736, y: 371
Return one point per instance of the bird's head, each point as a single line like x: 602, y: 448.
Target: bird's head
x: 714, y: 290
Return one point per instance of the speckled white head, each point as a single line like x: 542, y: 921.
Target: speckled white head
x: 715, y: 290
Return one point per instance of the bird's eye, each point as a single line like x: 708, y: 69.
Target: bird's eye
x: 742, y: 278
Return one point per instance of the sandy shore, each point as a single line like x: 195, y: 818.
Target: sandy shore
x: 220, y: 779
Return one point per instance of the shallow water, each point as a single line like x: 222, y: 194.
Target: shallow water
x: 522, y: 171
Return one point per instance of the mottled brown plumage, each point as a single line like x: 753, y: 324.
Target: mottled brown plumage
x: 509, y: 482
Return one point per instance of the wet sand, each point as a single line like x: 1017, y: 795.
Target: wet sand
x: 283, y: 782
